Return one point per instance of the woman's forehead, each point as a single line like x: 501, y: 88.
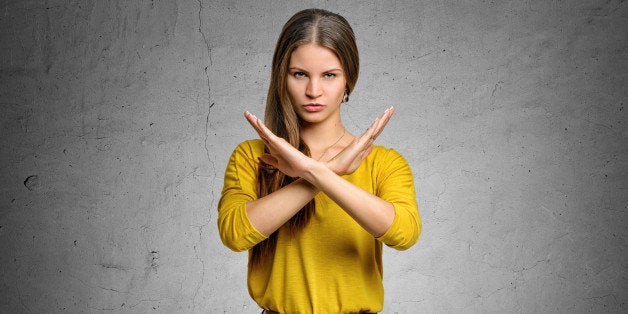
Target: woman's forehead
x: 313, y: 56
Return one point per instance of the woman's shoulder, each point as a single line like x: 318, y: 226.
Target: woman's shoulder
x: 251, y: 148
x: 383, y: 152
x: 382, y: 156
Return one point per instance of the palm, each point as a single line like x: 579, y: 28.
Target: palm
x: 350, y: 158
x: 283, y: 156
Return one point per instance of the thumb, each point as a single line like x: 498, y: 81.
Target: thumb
x: 269, y: 160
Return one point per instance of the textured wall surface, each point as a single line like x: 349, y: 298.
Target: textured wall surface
x: 118, y: 118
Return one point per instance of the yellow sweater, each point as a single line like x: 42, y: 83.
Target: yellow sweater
x: 333, y: 265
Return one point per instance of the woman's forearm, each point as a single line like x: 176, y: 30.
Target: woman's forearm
x: 269, y: 213
x: 374, y: 214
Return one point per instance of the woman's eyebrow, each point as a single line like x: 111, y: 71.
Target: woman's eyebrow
x: 303, y: 70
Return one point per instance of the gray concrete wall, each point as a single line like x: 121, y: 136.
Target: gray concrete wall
x: 118, y: 118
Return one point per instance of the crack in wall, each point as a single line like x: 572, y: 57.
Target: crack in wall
x: 209, y: 89
x: 210, y: 104
x: 97, y: 286
x: 140, y: 301
x: 197, y: 257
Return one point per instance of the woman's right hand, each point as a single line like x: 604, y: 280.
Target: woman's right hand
x: 350, y: 158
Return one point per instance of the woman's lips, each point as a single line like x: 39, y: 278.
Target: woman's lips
x: 313, y: 107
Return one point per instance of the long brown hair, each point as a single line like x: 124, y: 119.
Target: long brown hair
x: 329, y: 30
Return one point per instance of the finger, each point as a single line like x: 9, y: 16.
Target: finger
x: 376, y: 128
x: 264, y: 133
x: 369, y: 135
x: 253, y: 121
x: 371, y: 129
x: 384, y: 121
x: 367, y: 152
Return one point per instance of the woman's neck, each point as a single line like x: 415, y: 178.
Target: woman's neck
x: 320, y: 137
x: 325, y: 140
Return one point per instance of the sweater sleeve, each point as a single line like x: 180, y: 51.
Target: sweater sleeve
x: 234, y: 226
x: 395, y: 184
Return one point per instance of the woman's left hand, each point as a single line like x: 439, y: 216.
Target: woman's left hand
x: 283, y: 156
x: 350, y: 158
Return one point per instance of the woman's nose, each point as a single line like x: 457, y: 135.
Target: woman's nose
x: 313, y: 88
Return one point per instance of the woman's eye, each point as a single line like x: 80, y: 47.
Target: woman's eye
x: 330, y: 75
x: 299, y: 74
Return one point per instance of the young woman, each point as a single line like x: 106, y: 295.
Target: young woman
x: 311, y: 202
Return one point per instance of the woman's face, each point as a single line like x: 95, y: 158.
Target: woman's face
x: 316, y: 83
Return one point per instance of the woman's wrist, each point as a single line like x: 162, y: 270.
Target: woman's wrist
x: 316, y: 172
x: 302, y: 181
